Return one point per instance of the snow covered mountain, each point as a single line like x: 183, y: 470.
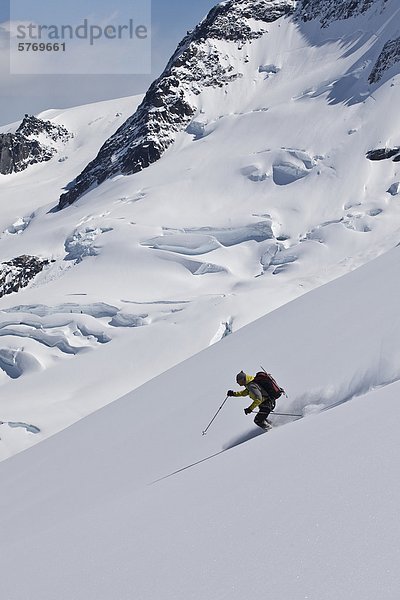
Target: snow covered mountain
x: 247, y: 176
x: 245, y: 212
x: 171, y: 102
x: 34, y: 141
x: 202, y: 62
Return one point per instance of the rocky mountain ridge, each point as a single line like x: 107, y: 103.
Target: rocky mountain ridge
x: 384, y: 154
x: 389, y: 56
x: 170, y: 104
x: 34, y: 141
x: 197, y: 64
x: 18, y: 272
x: 328, y: 11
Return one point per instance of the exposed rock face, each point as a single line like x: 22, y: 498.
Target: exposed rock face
x: 34, y: 141
x: 17, y: 153
x: 335, y: 10
x: 230, y: 21
x: 18, y: 272
x: 389, y: 56
x: 384, y: 154
x: 198, y: 63
x: 170, y: 103
x: 32, y: 126
x: 394, y: 189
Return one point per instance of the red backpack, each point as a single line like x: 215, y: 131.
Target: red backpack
x: 268, y: 384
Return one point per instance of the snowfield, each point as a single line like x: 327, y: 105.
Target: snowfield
x: 267, y: 235
x: 266, y: 196
x: 134, y: 501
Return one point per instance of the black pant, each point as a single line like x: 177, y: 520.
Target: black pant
x: 264, y: 409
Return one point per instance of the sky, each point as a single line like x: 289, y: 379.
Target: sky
x: 28, y: 93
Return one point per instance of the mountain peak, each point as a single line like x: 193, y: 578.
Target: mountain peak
x: 170, y: 102
x: 34, y: 141
x: 231, y: 20
x: 199, y: 63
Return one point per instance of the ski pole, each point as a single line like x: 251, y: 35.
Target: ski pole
x: 214, y: 417
x: 285, y: 414
x: 279, y: 414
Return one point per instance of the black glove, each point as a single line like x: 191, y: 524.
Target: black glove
x: 247, y: 411
x: 230, y: 393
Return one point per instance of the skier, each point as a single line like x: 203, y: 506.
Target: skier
x: 258, y: 395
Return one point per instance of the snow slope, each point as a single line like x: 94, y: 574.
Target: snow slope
x: 267, y: 194
x: 133, y: 501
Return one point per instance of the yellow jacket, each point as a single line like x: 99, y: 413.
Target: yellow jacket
x: 252, y: 390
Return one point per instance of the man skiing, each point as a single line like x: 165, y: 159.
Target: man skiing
x: 254, y: 387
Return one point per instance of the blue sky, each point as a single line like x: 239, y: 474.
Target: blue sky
x: 23, y: 93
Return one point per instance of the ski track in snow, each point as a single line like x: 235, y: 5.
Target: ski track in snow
x: 307, y: 406
x: 317, y: 401
x: 202, y: 460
